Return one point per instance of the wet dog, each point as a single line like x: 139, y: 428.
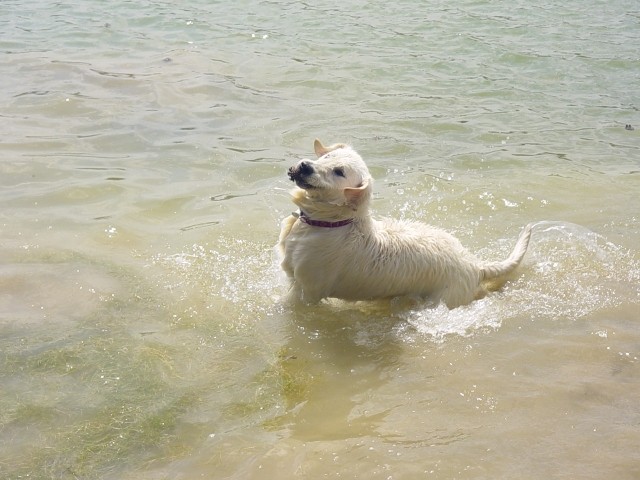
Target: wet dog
x: 332, y: 247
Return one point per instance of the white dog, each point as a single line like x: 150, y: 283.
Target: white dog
x: 332, y: 247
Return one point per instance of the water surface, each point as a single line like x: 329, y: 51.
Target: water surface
x: 142, y: 182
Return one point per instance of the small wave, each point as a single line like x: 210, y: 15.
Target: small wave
x: 438, y: 322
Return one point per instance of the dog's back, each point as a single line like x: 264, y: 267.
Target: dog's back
x: 381, y: 259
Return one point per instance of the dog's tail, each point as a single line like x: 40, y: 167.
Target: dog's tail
x: 492, y: 272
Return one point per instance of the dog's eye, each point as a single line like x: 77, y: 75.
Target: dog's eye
x: 339, y: 171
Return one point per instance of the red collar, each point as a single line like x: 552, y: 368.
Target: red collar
x: 321, y: 223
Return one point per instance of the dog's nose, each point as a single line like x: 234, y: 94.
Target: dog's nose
x: 305, y: 167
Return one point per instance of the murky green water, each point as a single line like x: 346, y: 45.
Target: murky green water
x: 143, y: 165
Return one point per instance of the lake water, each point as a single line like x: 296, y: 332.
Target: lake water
x: 143, y: 164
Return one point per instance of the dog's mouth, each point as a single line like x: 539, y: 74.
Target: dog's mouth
x: 304, y: 185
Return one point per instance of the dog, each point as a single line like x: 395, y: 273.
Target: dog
x: 332, y: 247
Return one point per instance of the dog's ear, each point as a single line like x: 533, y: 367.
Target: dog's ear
x: 321, y: 150
x: 356, y: 196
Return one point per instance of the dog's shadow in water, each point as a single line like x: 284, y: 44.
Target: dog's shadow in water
x: 336, y: 356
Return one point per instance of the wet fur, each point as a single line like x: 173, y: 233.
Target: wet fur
x: 373, y: 259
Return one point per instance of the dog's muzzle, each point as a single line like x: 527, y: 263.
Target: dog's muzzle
x: 299, y: 172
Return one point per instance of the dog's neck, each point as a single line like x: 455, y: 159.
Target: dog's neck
x: 325, y: 213
x: 322, y: 223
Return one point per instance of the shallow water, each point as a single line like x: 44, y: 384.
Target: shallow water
x: 142, y: 182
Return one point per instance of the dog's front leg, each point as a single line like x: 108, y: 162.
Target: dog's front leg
x: 310, y: 297
x: 299, y: 295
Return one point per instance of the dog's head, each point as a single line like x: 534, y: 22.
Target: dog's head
x: 339, y: 177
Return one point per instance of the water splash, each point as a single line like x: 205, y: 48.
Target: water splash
x: 235, y: 278
x: 569, y: 273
